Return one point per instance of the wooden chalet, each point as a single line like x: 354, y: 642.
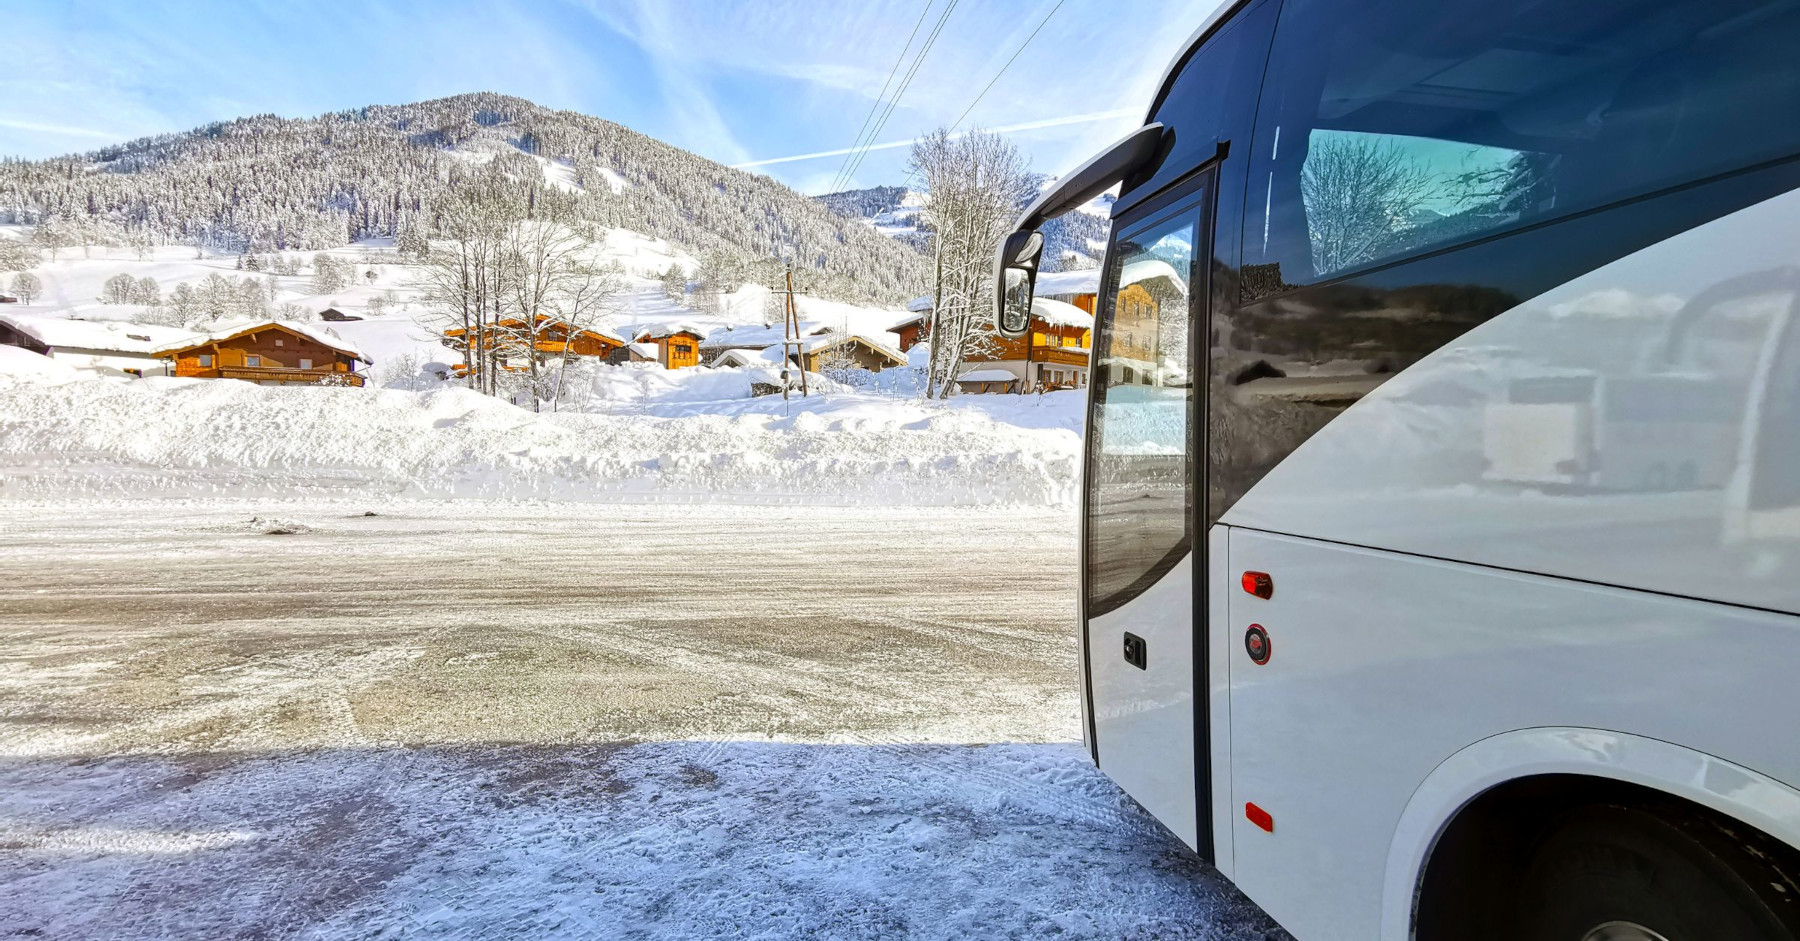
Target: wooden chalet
x: 269, y: 352
x: 1054, y: 355
x: 915, y: 327
x: 512, y: 342
x: 1080, y: 288
x: 677, y: 344
x: 847, y: 349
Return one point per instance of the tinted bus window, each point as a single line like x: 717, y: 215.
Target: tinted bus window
x: 1140, y: 509
x: 1393, y: 128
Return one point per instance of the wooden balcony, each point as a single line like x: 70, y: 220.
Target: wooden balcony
x: 1059, y: 355
x: 278, y: 374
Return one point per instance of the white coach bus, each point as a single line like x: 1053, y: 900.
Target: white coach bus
x: 1333, y: 635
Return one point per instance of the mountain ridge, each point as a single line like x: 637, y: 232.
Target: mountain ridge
x: 267, y: 183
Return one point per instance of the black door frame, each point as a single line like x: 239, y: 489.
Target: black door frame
x: 1195, y: 191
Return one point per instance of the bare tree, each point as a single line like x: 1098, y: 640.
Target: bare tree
x: 1361, y: 196
x: 27, y: 286
x: 462, y: 279
x: 117, y: 289
x: 146, y: 291
x: 975, y: 184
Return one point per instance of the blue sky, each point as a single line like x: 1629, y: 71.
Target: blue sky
x: 739, y: 82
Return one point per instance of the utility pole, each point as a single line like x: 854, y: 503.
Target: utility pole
x: 791, y: 348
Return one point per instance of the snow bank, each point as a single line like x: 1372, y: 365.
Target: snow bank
x: 20, y: 364
x: 186, y: 437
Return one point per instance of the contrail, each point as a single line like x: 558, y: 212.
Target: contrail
x: 56, y: 129
x: 890, y: 145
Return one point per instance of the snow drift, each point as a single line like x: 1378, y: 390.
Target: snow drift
x: 185, y: 437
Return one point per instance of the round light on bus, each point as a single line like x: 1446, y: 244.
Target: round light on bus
x: 1258, y: 645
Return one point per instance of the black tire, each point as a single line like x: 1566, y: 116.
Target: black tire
x: 1682, y: 877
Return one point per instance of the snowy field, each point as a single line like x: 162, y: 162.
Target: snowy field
x: 473, y: 719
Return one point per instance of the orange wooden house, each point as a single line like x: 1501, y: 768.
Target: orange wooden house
x: 1054, y: 355
x: 673, y: 345
x: 269, y: 352
x: 511, y: 341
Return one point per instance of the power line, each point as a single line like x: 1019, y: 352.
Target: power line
x: 912, y: 175
x: 876, y: 106
x: 1008, y: 64
x: 905, y: 83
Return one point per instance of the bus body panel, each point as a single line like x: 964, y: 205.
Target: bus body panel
x: 1384, y: 666
x: 1144, y: 718
x: 1730, y: 789
x: 1714, y: 308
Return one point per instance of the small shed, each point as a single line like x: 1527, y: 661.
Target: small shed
x: 334, y: 315
x: 987, y: 381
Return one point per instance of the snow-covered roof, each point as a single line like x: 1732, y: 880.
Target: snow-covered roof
x: 1060, y: 314
x: 645, y: 350
x: 1149, y: 269
x: 919, y: 304
x: 824, y: 341
x: 986, y: 375
x: 1084, y: 281
x: 910, y: 319
x: 766, y: 356
x: 756, y: 336
x: 226, y: 329
x: 651, y: 331
x: 111, y: 335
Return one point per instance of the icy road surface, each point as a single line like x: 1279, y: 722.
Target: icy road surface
x: 474, y: 720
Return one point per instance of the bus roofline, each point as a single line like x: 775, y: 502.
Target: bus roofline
x: 1225, y: 11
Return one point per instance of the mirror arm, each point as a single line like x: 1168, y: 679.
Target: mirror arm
x: 1112, y: 165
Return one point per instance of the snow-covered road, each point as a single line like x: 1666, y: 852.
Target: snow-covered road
x: 463, y: 719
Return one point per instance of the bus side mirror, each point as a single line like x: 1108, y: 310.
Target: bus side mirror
x: 1015, y: 278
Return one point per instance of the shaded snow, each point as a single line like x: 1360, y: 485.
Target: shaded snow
x: 666, y: 840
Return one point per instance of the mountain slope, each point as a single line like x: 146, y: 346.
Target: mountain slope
x: 266, y: 183
x: 1074, y: 240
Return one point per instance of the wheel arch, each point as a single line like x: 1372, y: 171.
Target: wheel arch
x: 1588, y: 758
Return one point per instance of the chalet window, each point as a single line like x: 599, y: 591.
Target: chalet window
x: 305, y: 364
x: 277, y: 341
x: 253, y: 361
x: 206, y: 360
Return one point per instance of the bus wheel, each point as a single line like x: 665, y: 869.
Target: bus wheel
x: 1622, y: 874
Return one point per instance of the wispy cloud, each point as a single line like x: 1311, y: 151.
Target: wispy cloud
x: 890, y: 145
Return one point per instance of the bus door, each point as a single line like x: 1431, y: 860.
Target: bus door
x: 1141, y: 613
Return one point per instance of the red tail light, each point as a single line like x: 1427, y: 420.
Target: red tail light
x: 1259, y: 584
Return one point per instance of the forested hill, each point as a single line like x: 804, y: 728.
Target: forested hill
x: 267, y: 183
x: 1073, y: 240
